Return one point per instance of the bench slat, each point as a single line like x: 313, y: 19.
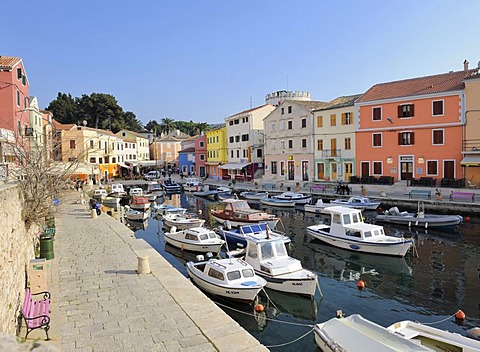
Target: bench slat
x: 462, y: 195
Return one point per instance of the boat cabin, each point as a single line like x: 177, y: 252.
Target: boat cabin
x: 240, y: 209
x: 348, y: 222
x: 100, y: 193
x: 227, y: 271
x: 117, y: 188
x: 136, y: 191
x: 270, y: 256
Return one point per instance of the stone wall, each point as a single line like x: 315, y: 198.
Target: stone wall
x: 16, y: 250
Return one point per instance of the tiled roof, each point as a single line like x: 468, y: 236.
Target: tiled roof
x: 341, y: 102
x: 308, y: 104
x: 247, y: 111
x: 7, y: 62
x: 441, y: 83
x: 61, y: 126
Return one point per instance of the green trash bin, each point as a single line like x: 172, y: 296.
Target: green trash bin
x: 46, y: 247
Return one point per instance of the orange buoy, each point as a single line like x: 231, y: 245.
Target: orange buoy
x: 467, y: 219
x: 259, y: 308
x: 460, y: 315
x: 361, y: 284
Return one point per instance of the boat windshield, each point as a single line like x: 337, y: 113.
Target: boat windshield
x: 204, y: 237
x: 356, y: 218
x: 234, y: 275
x: 240, y: 205
x: 212, y: 235
x: 280, y: 249
x: 248, y: 273
x: 267, y: 250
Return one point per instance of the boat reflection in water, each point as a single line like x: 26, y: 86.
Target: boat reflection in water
x: 135, y: 225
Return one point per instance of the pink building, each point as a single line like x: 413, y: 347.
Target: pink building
x: 14, y: 103
x: 201, y: 156
x: 412, y: 128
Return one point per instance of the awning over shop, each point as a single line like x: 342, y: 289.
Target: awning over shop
x: 212, y: 163
x: 123, y: 165
x: 234, y: 166
x: 470, y: 160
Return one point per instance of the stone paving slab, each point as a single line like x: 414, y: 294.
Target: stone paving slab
x: 100, y: 303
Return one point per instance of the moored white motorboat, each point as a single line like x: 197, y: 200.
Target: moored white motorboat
x: 230, y: 278
x: 254, y: 195
x: 357, y: 202
x: 170, y: 186
x: 135, y: 191
x: 432, y: 338
x: 274, y: 202
x: 238, y: 235
x: 181, y: 221
x: 269, y: 258
x: 238, y: 212
x: 100, y: 194
x: 192, y: 184
x: 348, y: 231
x: 298, y: 198
x: 196, y: 239
x: 139, y: 203
x: 136, y: 215
x: 357, y: 334
x: 165, y: 208
x: 318, y: 207
x: 419, y: 219
x: 155, y: 188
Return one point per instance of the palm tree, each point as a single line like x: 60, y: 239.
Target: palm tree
x: 202, y: 127
x: 167, y: 125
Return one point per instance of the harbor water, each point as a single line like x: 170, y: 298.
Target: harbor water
x: 429, y: 288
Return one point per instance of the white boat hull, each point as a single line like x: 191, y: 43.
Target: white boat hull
x: 301, y: 283
x: 238, y: 293
x: 194, y: 247
x: 141, y: 207
x: 398, y: 248
x: 277, y: 202
x: 183, y: 224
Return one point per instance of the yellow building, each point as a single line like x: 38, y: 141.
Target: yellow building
x: 471, y: 137
x: 216, y: 151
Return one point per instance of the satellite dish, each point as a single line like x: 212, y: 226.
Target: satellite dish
x: 84, y: 122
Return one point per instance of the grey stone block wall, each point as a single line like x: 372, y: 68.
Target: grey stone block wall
x: 16, y: 250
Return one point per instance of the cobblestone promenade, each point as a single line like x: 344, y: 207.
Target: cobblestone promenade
x: 100, y: 303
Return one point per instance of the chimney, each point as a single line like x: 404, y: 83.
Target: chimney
x: 465, y: 65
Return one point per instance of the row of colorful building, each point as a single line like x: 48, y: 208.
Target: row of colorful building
x: 420, y: 127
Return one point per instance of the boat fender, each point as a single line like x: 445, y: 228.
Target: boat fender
x: 173, y: 229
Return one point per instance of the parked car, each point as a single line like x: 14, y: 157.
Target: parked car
x: 152, y: 175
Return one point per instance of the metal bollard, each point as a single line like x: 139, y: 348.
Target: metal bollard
x: 143, y: 265
x: 93, y: 212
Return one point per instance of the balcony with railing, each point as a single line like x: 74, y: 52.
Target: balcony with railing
x: 331, y: 153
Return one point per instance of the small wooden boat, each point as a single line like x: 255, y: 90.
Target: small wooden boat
x: 140, y: 203
x: 298, y: 198
x: 136, y: 215
x: 348, y: 231
x: 355, y: 333
x: 254, y: 195
x: 214, y: 193
x: 170, y: 186
x: 196, y: 239
x: 318, y: 207
x: 419, y: 219
x: 238, y: 212
x: 165, y: 208
x: 230, y: 278
x: 238, y: 235
x: 181, y: 221
x: 432, y: 339
x: 269, y: 258
x: 274, y: 202
x: 356, y: 202
x: 192, y: 184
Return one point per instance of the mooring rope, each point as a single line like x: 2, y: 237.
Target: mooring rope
x: 293, y: 341
x: 440, y: 321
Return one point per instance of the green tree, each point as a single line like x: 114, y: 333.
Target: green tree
x: 167, y: 125
x: 64, y: 108
x: 153, y: 125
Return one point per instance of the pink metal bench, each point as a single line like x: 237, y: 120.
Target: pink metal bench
x: 36, y: 313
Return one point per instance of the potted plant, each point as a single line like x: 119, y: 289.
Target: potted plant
x: 438, y: 194
x: 256, y: 184
x: 363, y: 190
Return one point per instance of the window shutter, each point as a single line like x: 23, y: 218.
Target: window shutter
x: 412, y: 110
x: 400, y: 139
x: 400, y: 111
x: 412, y: 138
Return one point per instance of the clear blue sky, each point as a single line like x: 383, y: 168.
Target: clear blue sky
x: 203, y: 60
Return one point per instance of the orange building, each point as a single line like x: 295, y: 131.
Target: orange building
x: 412, y: 128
